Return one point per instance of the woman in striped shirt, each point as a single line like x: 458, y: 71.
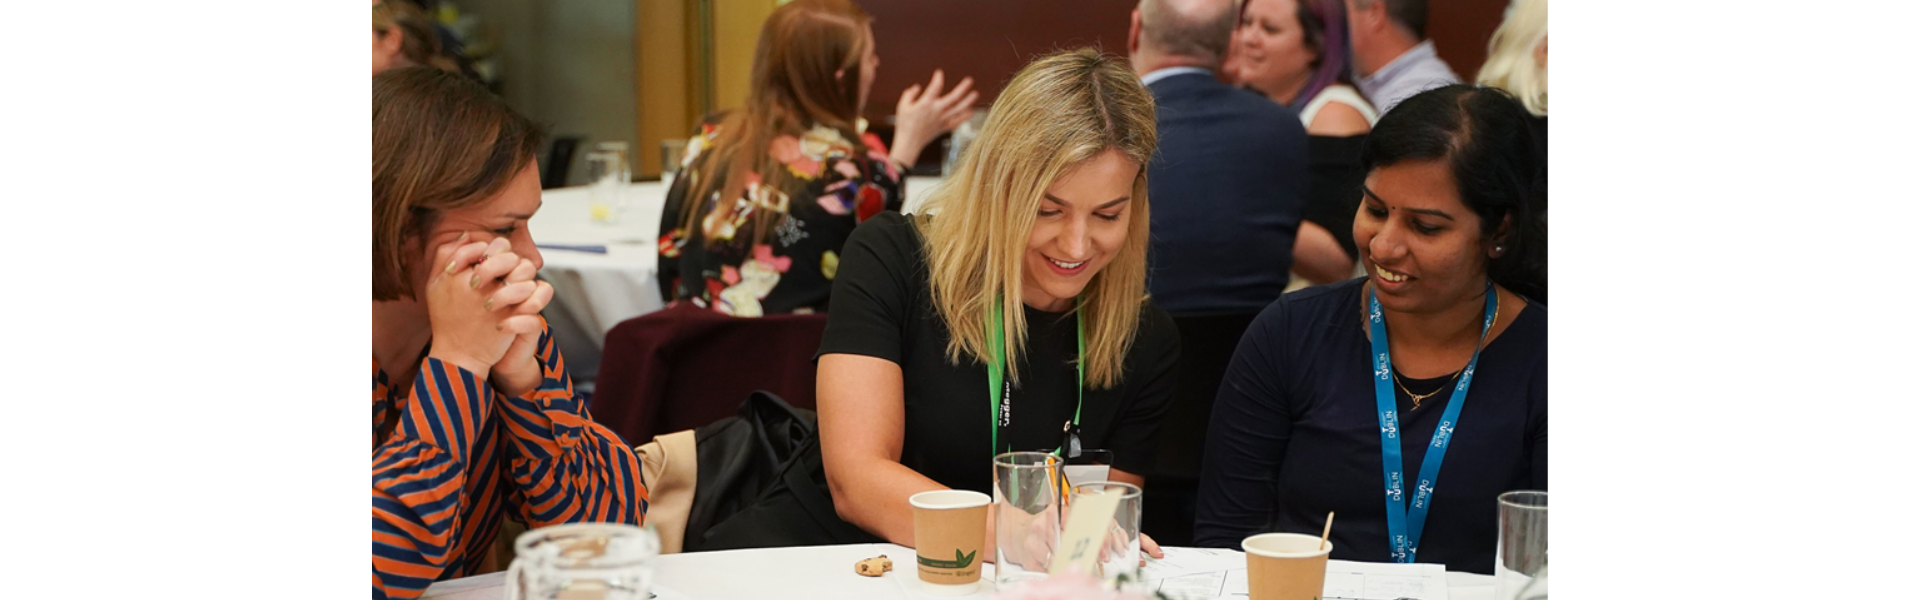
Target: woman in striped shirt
x: 473, y: 412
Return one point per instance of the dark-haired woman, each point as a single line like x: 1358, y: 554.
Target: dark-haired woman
x: 1408, y: 399
x: 474, y: 416
x: 766, y: 198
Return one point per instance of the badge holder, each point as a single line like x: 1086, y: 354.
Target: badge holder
x: 1083, y: 465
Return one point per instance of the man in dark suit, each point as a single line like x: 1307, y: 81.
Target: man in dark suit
x: 1230, y: 179
x: 1228, y: 185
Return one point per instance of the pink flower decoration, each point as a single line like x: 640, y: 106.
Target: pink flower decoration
x: 1074, y: 585
x: 846, y: 168
x: 785, y: 149
x: 804, y: 168
x: 764, y: 254
x: 832, y: 203
x: 730, y: 274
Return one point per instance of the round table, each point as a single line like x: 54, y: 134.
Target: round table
x: 804, y: 573
x: 602, y: 271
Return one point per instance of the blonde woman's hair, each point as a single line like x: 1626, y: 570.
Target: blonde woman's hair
x: 1059, y: 112
x: 1510, y: 63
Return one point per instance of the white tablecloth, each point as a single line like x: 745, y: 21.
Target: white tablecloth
x: 600, y: 289
x: 805, y: 573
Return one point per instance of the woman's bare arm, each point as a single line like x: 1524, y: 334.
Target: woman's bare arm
x: 863, y: 421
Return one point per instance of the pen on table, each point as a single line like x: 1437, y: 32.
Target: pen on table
x: 591, y: 249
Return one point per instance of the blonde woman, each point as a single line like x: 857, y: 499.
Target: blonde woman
x: 1036, y: 248
x: 1517, y: 56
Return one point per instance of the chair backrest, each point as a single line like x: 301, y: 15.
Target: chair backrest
x: 559, y: 162
x: 685, y: 366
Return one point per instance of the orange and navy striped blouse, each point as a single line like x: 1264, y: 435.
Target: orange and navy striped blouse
x: 450, y: 454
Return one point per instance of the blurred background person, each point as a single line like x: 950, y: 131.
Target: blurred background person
x: 1517, y: 62
x: 475, y: 418
x: 1392, y: 57
x: 1231, y: 179
x: 1296, y: 52
x: 765, y: 199
x: 1442, y: 342
x: 404, y: 36
x: 1032, y: 265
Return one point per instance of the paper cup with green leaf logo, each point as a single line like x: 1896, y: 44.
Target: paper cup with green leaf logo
x: 949, y: 530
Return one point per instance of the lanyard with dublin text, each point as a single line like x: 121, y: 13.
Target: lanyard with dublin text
x: 1404, y: 525
x: 1001, y: 392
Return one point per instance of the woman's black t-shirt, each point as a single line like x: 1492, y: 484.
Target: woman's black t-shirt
x: 882, y: 307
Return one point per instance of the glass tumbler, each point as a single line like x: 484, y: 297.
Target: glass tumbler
x: 1121, y: 555
x: 1521, y: 550
x: 605, y: 192
x: 597, y: 561
x: 1026, y: 527
x: 622, y: 171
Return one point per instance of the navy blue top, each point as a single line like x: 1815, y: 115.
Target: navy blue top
x: 1294, y: 435
x: 1228, y: 183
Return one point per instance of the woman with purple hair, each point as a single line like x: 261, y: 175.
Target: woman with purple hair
x: 1295, y: 52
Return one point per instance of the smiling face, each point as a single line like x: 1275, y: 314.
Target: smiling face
x: 503, y: 216
x: 1081, y: 224
x: 1422, y: 246
x: 1277, y: 59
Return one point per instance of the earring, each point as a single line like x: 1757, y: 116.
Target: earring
x: 1498, y: 250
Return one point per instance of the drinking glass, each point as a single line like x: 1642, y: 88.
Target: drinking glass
x: 957, y: 142
x: 622, y: 171
x: 672, y: 152
x: 1521, y: 551
x: 1121, y: 556
x: 1026, y: 527
x: 605, y: 190
x: 604, y: 561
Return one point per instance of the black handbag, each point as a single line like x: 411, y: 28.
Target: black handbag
x: 762, y: 483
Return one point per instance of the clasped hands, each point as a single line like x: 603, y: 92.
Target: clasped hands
x: 484, y: 307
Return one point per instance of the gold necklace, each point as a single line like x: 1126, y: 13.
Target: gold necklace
x: 1418, y: 397
x: 1456, y: 374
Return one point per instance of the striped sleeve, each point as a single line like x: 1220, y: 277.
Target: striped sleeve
x: 419, y: 477
x: 566, y: 467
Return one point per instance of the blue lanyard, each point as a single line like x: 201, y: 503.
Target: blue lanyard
x: 1403, y: 525
x: 1000, y: 392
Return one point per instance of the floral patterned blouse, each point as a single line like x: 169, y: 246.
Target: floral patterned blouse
x: 789, y: 269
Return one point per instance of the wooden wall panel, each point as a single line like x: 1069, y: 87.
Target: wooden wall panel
x: 663, y: 89
x: 1460, y: 29
x: 986, y: 39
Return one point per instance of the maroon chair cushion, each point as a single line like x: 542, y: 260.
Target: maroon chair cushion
x: 685, y: 366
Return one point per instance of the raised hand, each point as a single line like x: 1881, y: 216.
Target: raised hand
x: 924, y: 113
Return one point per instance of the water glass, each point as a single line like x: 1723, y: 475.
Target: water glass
x: 622, y: 171
x: 1026, y: 499
x: 672, y: 153
x: 606, y: 191
x: 1121, y: 556
x: 961, y: 138
x: 602, y: 561
x: 1520, y: 554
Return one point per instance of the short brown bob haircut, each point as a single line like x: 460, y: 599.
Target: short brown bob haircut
x: 440, y: 142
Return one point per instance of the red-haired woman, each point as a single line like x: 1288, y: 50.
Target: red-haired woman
x: 765, y: 199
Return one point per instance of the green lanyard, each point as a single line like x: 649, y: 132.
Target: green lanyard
x: 1000, y: 393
